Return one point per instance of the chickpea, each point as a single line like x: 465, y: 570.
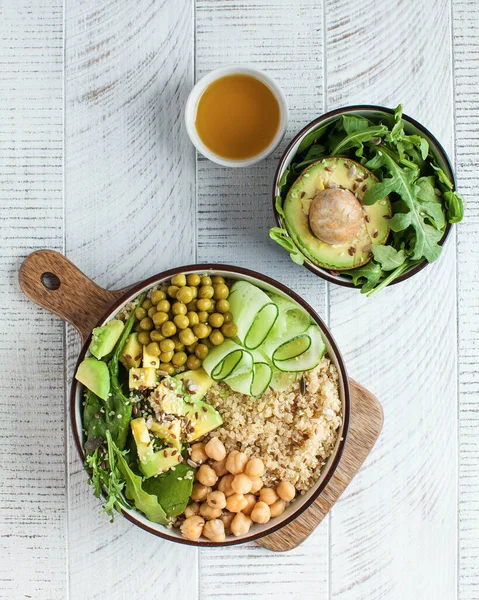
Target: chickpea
x: 214, y: 530
x: 251, y: 504
x: 159, y: 318
x: 206, y: 475
x: 224, y: 485
x: 254, y: 468
x: 179, y: 279
x: 236, y: 462
x: 241, y: 484
x: 260, y: 513
x: 198, y: 454
x: 257, y: 484
x: 192, y: 528
x: 227, y: 518
x: 277, y: 508
x: 285, y: 491
x: 241, y: 524
x: 268, y: 496
x: 157, y: 296
x: 236, y: 502
x: 144, y: 338
x: 199, y: 492
x: 179, y: 308
x: 215, y: 449
x: 192, y: 509
x: 219, y: 467
x: 208, y: 512
x: 216, y: 499
x: 193, y: 279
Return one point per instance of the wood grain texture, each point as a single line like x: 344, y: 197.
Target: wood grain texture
x: 234, y: 215
x: 393, y: 532
x: 32, y: 496
x: 466, y: 67
x: 130, y: 213
x: 364, y: 428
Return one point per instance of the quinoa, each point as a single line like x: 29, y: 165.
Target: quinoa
x: 293, y: 433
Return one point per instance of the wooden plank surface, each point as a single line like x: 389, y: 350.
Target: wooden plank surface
x: 393, y: 533
x: 32, y: 493
x: 466, y: 66
x: 129, y: 198
x: 136, y: 201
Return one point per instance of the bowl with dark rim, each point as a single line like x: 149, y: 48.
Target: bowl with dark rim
x: 374, y: 113
x: 77, y: 299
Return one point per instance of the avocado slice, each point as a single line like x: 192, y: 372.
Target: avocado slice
x: 131, y: 355
x: 152, y: 463
x: 95, y: 376
x: 198, y: 381
x: 143, y: 378
x: 327, y: 197
x: 149, y: 360
x: 104, y: 338
x: 170, y: 432
x: 201, y: 418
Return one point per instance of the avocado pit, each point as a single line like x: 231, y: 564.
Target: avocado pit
x: 335, y: 216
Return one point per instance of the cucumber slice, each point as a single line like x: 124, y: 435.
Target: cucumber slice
x: 309, y: 359
x: 227, y: 360
x: 292, y: 348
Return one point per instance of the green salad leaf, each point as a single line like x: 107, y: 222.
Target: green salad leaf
x: 421, y: 194
x: 172, y: 489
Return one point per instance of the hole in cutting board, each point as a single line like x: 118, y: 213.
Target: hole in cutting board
x: 50, y: 281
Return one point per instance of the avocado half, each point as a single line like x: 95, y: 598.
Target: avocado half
x: 373, y: 229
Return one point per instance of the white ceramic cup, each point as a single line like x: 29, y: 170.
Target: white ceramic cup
x: 192, y: 106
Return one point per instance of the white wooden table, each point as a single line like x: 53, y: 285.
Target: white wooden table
x: 95, y: 162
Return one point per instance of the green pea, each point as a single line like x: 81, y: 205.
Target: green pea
x: 179, y: 359
x: 159, y: 318
x: 222, y: 306
x: 201, y: 350
x: 140, y: 313
x: 153, y: 349
x: 157, y: 296
x: 216, y: 320
x: 146, y: 324
x: 221, y: 291
x: 179, y: 280
x: 201, y: 330
x: 163, y: 306
x: 168, y: 329
x: 193, y: 279
x: 216, y: 337
x: 229, y: 330
x: 179, y: 308
x: 184, y: 294
x: 167, y: 346
x: 144, y: 338
x: 181, y: 321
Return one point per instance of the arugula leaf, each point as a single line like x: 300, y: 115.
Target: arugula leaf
x: 143, y: 501
x: 353, y: 123
x: 443, y: 178
x: 402, y: 182
x: 430, y: 203
x: 388, y: 257
x: 454, y: 206
x: 313, y: 136
x: 117, y: 403
x: 281, y: 237
x: 314, y: 154
x: 278, y: 205
x: 358, y: 138
x: 284, y: 178
x: 406, y: 266
x: 371, y: 272
x: 172, y: 489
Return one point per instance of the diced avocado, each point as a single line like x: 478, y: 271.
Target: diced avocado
x: 149, y: 360
x: 104, y: 338
x: 95, y: 376
x: 197, y: 383
x: 327, y: 198
x: 132, y: 353
x: 152, y: 463
x: 202, y: 418
x: 168, y: 397
x: 170, y: 432
x: 142, y: 378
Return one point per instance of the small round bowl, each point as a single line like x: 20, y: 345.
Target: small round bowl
x: 373, y: 113
x: 192, y: 105
x: 302, y: 502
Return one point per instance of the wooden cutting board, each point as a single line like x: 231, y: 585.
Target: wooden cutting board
x: 364, y: 428
x: 52, y: 281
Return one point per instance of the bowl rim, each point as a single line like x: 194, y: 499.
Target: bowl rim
x: 324, y: 273
x: 197, y: 91
x: 131, y: 293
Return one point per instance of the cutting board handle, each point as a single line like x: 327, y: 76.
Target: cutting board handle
x: 53, y: 282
